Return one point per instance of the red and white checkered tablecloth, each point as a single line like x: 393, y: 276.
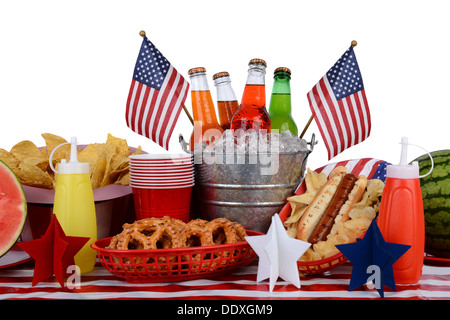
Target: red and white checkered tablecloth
x: 15, y: 283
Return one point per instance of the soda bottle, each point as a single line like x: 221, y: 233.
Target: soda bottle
x: 252, y: 113
x: 280, y: 102
x: 206, y: 127
x: 227, y: 103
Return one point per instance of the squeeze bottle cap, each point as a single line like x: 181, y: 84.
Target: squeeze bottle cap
x: 73, y: 166
x: 404, y: 170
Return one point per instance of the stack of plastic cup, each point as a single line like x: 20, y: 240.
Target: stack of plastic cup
x: 162, y: 185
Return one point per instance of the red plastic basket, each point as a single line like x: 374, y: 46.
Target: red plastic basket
x: 176, y: 264
x: 321, y: 266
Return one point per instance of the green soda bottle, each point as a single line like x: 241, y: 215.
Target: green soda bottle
x: 280, y: 102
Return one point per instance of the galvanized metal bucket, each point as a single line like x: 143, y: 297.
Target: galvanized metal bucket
x: 248, y: 188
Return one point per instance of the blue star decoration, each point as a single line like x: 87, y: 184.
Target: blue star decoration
x: 372, y: 259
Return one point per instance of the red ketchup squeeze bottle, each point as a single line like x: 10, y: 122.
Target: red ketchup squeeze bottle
x: 401, y: 216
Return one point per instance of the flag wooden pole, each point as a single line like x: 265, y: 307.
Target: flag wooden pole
x: 307, y: 125
x: 188, y: 114
x: 142, y: 34
x: 354, y: 43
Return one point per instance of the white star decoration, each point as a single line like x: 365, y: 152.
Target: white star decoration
x: 278, y: 254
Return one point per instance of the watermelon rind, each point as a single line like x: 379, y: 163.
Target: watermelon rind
x: 436, y: 202
x: 4, y: 168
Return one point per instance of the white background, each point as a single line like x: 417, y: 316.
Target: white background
x: 66, y: 66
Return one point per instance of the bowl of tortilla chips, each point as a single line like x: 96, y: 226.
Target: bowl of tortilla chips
x: 109, y: 173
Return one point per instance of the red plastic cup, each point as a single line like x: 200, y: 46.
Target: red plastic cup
x: 158, y: 202
x: 161, y: 175
x: 160, y: 157
x: 160, y: 166
x: 175, y: 159
x: 162, y: 181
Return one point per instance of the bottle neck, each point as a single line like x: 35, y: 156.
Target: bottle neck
x: 199, y: 82
x: 202, y: 105
x: 280, y: 101
x: 224, y: 89
x: 255, y: 90
x: 282, y: 83
x: 256, y: 74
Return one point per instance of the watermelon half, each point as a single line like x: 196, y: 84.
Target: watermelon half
x: 13, y: 208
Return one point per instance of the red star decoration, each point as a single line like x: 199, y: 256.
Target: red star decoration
x: 53, y: 252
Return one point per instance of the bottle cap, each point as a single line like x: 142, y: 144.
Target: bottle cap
x: 196, y: 70
x: 256, y: 60
x: 73, y: 166
x: 282, y: 69
x: 220, y: 75
x: 404, y: 170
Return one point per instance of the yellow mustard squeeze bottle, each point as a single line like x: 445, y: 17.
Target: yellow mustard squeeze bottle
x: 74, y: 204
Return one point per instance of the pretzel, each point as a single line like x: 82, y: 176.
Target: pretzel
x: 240, y: 232
x: 222, y: 231
x: 195, y: 237
x: 198, y: 223
x: 177, y: 223
x: 151, y: 233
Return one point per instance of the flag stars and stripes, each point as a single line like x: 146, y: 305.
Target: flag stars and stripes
x: 156, y: 95
x: 339, y: 105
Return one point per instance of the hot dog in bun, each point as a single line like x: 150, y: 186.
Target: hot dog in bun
x: 332, y: 203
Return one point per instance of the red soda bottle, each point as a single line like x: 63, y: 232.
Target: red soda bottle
x: 227, y: 103
x: 252, y: 113
x: 206, y: 127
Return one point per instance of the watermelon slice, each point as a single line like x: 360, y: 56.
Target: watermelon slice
x: 13, y: 208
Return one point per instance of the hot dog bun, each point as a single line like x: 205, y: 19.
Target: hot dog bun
x: 316, y: 208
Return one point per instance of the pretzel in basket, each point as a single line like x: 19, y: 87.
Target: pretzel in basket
x: 197, y: 223
x: 149, y: 233
x: 165, y: 233
x: 193, y: 236
x: 222, y: 231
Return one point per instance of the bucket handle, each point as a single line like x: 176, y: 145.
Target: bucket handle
x: 313, y: 142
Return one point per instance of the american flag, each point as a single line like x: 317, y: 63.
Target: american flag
x: 339, y: 105
x: 369, y: 167
x: 157, y: 95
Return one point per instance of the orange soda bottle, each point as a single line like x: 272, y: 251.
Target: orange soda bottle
x: 206, y: 127
x: 252, y: 113
x: 227, y: 103
x: 401, y: 217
